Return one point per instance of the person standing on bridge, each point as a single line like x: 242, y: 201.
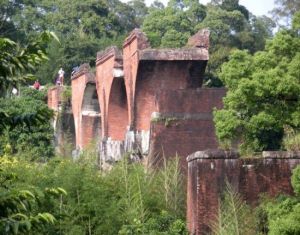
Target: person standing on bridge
x: 61, y: 74
x: 36, y: 85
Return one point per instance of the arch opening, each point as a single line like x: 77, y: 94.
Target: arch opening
x: 90, y: 99
x: 117, y: 110
x: 90, y: 115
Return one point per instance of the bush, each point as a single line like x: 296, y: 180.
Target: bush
x: 125, y: 200
x: 283, y: 213
x: 29, y: 131
x: 291, y: 140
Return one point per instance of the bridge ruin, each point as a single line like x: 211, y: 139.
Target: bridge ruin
x: 151, y: 103
x: 144, y: 101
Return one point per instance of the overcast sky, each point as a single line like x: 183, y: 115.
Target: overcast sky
x: 257, y: 7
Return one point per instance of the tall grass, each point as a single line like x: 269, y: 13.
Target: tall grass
x: 234, y: 215
x: 291, y: 139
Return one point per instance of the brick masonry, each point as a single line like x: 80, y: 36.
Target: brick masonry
x: 207, y: 172
x: 130, y: 83
x: 107, y: 62
x: 138, y: 82
x: 87, y: 122
x: 54, y: 97
x: 184, y: 122
x: 133, y: 84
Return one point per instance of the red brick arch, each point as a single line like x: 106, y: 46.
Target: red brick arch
x: 85, y: 107
x: 110, y: 83
x: 148, y: 71
x: 135, y: 42
x: 117, y: 116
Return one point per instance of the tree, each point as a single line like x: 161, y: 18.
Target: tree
x: 7, y: 26
x: 84, y: 27
x: 283, y: 213
x: 126, y: 200
x: 284, y: 11
x: 231, y: 26
x: 140, y: 11
x: 20, y: 209
x: 28, y: 130
x: 263, y: 94
x: 162, y: 24
x: 17, y: 63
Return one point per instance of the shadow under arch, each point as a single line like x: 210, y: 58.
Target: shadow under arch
x: 90, y: 115
x: 90, y: 101
x: 65, y: 133
x: 117, y: 116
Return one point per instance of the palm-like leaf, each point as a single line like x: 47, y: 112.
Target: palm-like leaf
x: 234, y: 216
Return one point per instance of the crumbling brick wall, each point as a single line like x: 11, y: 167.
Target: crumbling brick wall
x: 54, y: 97
x: 184, y: 122
x: 126, y: 114
x: 208, y: 171
x: 130, y: 87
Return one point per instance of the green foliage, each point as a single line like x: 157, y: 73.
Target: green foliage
x: 17, y: 63
x: 163, y: 24
x: 263, y: 94
x: 173, y: 25
x: 84, y: 27
x: 20, y: 208
x: 163, y: 224
x: 227, y: 126
x: 230, y: 24
x: 284, y: 11
x: 296, y: 181
x: 27, y: 129
x: 140, y: 10
x: 281, y: 216
x: 128, y: 199
x: 89, y: 26
x: 291, y: 140
x: 234, y: 215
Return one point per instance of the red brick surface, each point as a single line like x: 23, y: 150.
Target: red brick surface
x: 110, y: 92
x: 90, y: 129
x: 83, y: 126
x: 200, y: 39
x: 202, y: 100
x: 181, y: 138
x: 152, y: 77
x: 54, y: 97
x: 146, y: 71
x: 186, y: 125
x: 250, y: 177
x: 117, y: 110
x: 135, y: 42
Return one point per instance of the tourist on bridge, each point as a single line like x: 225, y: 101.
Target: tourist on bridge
x: 60, y: 80
x: 36, y: 85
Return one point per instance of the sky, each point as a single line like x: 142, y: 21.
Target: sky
x: 256, y: 7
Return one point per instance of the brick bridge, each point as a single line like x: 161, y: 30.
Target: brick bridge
x: 145, y: 101
x: 150, y: 102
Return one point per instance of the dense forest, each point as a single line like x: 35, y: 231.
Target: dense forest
x: 257, y: 58
x: 90, y: 26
